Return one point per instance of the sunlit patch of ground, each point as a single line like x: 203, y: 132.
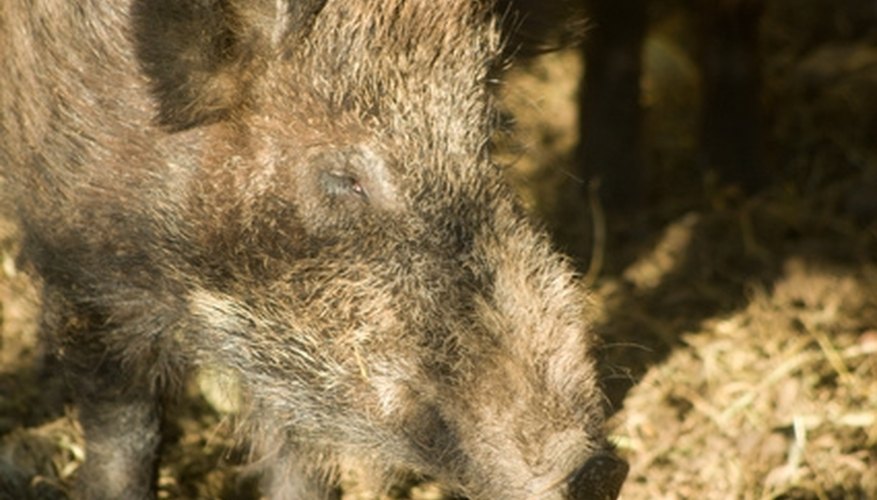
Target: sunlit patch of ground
x: 774, y: 400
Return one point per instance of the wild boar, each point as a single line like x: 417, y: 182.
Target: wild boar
x: 299, y: 193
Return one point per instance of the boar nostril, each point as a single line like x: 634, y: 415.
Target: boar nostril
x: 599, y: 479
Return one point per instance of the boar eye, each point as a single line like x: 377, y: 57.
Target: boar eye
x: 342, y: 184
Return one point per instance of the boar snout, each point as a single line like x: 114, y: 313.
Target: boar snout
x: 600, y: 478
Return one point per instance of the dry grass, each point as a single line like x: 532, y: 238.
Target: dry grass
x: 775, y: 400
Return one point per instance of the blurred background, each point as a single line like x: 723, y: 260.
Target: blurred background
x: 711, y: 167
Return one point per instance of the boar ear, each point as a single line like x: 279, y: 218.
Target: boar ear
x: 202, y: 55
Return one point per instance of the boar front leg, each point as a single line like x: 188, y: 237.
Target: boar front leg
x: 122, y: 438
x: 118, y: 410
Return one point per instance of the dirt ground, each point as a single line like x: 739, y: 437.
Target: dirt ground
x: 740, y: 333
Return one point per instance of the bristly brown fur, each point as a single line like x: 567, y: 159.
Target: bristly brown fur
x: 299, y: 194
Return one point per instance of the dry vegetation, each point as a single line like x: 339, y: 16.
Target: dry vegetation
x: 740, y: 333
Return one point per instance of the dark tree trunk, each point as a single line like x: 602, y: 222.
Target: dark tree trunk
x: 731, y: 72
x: 610, y: 114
